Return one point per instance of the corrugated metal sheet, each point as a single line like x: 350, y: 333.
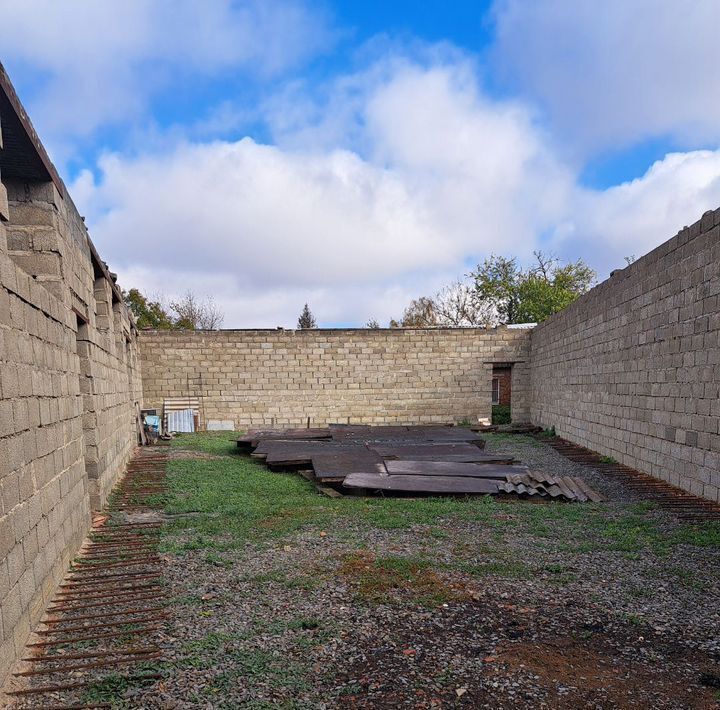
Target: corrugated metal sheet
x: 181, y: 421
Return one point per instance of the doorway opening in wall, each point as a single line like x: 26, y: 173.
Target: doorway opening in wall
x: 501, y: 393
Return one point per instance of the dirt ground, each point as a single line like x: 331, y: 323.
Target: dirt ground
x: 284, y: 598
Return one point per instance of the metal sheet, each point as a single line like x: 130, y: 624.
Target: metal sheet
x: 422, y: 484
x: 181, y: 421
x: 451, y: 468
x: 410, y: 449
x: 339, y: 464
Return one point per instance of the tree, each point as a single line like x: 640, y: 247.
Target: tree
x: 496, y: 285
x: 193, y: 314
x: 372, y: 324
x: 306, y: 321
x: 531, y: 295
x: 456, y: 305
x: 419, y: 314
x: 147, y: 313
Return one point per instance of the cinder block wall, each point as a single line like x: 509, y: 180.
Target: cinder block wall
x: 66, y: 402
x: 257, y: 378
x: 632, y: 369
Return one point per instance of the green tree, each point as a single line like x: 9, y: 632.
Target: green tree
x: 147, y: 313
x: 306, y: 321
x: 533, y: 294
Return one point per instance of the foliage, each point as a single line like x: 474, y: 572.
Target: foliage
x: 501, y: 414
x: 372, y: 324
x: 533, y: 294
x: 188, y: 313
x: 306, y: 321
x: 147, y: 313
x: 419, y: 314
x: 500, y: 292
x: 193, y: 314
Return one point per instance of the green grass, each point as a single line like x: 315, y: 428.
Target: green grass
x: 501, y: 414
x: 238, y: 500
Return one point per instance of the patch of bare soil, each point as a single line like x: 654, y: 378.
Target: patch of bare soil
x: 188, y: 454
x: 498, y: 656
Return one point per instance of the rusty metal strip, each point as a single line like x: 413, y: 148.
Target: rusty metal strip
x: 72, y: 686
x: 90, y: 654
x: 85, y: 666
x: 76, y: 639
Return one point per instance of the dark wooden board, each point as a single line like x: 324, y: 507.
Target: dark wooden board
x: 255, y: 435
x: 289, y: 453
x: 338, y: 464
x: 451, y: 468
x: 408, y: 449
x: 422, y: 484
x: 479, y: 457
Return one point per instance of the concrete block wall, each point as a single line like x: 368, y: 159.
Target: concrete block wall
x: 632, y: 369
x: 66, y: 403
x: 258, y: 378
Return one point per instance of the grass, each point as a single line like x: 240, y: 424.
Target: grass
x: 463, y: 544
x: 238, y: 500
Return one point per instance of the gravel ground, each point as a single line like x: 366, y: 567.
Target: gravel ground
x: 480, y: 605
x: 537, y: 455
x: 524, y: 613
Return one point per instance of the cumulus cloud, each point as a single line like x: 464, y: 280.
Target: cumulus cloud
x: 635, y: 217
x: 101, y: 61
x: 613, y: 73
x: 441, y: 176
x: 450, y: 176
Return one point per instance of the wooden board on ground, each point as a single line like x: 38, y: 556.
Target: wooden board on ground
x: 256, y: 435
x: 477, y: 458
x: 338, y: 464
x: 294, y: 453
x: 422, y: 484
x: 451, y: 468
x: 406, y: 449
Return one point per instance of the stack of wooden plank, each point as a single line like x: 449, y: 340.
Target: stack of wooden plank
x: 405, y: 460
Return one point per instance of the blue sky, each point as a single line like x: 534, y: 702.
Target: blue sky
x: 357, y: 155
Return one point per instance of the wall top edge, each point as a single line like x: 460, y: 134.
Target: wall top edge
x: 292, y: 331
x: 708, y: 221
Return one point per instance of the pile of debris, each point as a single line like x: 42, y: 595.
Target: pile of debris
x: 405, y: 460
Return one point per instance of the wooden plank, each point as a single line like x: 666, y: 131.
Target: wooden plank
x: 407, y: 449
x: 476, y: 458
x: 451, y: 468
x: 422, y: 484
x: 338, y: 464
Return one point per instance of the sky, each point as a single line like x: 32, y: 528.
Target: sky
x: 356, y: 155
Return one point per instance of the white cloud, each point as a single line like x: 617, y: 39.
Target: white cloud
x: 635, y: 217
x: 615, y: 72
x: 101, y: 61
x: 442, y: 176
x: 450, y: 176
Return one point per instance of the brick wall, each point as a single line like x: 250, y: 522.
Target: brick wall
x: 258, y: 378
x: 69, y: 380
x: 632, y: 369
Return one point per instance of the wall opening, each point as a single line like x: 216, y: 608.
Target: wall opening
x: 501, y: 393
